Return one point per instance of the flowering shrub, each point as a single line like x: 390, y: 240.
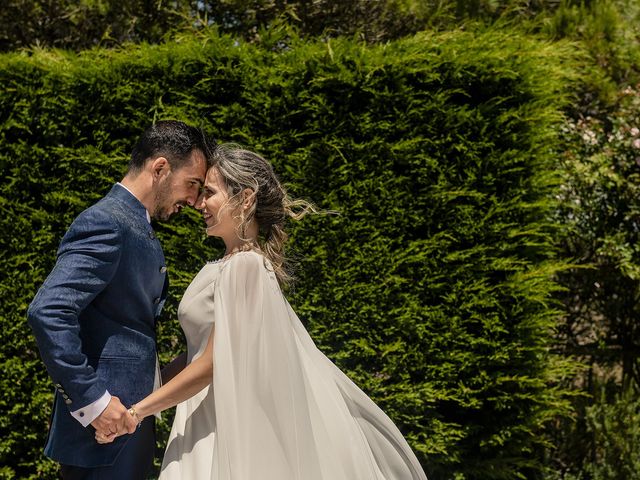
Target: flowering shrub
x: 599, y: 202
x: 600, y: 198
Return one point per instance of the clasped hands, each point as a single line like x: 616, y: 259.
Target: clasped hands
x: 114, y: 421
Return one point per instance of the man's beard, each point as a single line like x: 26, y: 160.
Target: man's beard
x: 163, y: 208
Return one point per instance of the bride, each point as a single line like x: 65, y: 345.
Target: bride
x: 256, y: 400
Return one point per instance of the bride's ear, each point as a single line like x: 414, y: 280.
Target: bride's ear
x: 248, y: 198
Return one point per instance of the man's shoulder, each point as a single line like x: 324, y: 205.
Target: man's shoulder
x: 112, y: 208
x: 104, y: 211
x: 106, y: 218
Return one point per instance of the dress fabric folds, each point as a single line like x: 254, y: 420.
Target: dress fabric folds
x: 278, y: 409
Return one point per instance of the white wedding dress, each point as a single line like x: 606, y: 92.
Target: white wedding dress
x: 278, y: 409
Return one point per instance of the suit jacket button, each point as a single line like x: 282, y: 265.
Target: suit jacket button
x: 69, y: 402
x: 156, y: 301
x: 152, y: 235
x: 163, y: 269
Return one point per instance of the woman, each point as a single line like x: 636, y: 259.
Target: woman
x: 257, y: 400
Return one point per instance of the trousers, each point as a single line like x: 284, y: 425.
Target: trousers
x: 133, y: 463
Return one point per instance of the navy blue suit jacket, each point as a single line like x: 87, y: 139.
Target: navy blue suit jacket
x: 94, y: 321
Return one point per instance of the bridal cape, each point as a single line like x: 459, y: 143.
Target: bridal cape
x: 278, y: 408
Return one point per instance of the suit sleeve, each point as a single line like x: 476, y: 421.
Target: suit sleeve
x: 88, y: 257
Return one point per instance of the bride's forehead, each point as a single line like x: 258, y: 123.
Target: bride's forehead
x: 214, y: 176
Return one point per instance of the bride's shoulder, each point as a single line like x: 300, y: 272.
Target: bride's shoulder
x: 249, y: 260
x: 250, y: 267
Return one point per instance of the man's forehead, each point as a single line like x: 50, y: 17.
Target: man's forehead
x: 198, y: 155
x: 197, y: 168
x: 192, y: 172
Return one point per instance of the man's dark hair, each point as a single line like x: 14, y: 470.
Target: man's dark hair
x: 173, y: 140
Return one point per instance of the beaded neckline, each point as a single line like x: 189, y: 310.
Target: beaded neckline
x: 225, y: 257
x: 218, y: 260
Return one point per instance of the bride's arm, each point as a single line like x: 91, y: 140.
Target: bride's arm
x: 240, y: 286
x: 193, y: 378
x: 174, y: 367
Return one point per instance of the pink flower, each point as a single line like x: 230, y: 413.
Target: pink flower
x: 589, y: 137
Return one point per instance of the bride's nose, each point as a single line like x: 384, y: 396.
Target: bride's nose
x: 199, y: 205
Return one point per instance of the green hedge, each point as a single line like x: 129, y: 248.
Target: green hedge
x: 431, y: 288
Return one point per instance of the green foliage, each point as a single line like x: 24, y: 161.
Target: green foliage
x: 611, y: 433
x: 615, y: 426
x: 609, y: 29
x: 87, y: 23
x: 600, y: 171
x: 110, y: 23
x: 600, y: 210
x: 597, y: 200
x: 431, y: 289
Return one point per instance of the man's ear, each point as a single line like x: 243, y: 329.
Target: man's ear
x: 248, y: 198
x: 159, y: 167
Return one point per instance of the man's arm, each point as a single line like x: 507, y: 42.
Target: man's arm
x: 87, y: 260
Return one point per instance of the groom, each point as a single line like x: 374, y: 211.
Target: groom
x: 94, y: 316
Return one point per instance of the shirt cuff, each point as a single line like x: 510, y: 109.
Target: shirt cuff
x: 88, y: 414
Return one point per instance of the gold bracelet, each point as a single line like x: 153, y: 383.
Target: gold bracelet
x: 133, y: 413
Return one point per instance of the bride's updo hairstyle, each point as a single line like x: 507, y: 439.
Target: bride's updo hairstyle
x: 271, y: 206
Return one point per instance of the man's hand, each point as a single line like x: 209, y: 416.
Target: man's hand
x: 113, y: 421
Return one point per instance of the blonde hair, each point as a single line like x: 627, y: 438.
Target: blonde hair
x: 271, y: 206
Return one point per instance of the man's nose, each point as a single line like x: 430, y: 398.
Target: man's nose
x: 193, y: 199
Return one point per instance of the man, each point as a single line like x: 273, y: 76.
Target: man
x: 94, y: 316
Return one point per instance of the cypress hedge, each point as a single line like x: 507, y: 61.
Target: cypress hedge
x: 431, y: 288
